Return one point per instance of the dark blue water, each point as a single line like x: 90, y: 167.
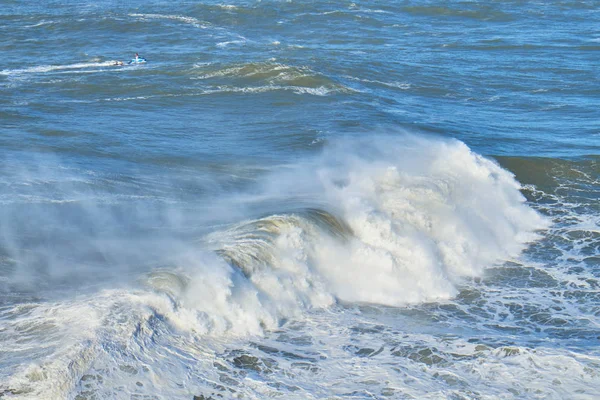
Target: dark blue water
x: 331, y: 199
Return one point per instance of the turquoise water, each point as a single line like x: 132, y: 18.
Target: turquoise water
x: 299, y: 199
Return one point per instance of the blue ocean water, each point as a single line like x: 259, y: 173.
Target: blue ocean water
x: 335, y: 199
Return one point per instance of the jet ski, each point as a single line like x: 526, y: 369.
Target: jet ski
x: 138, y: 60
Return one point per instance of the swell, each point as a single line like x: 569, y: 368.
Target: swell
x: 89, y: 80
x: 550, y: 173
x: 267, y: 76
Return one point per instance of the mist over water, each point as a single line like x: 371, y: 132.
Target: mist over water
x: 299, y: 200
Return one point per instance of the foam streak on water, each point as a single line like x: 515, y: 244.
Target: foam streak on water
x: 50, y: 68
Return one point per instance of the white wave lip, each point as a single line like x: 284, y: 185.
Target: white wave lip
x: 180, y: 18
x: 273, y: 77
x: 50, y: 68
x: 424, y: 213
x: 420, y: 215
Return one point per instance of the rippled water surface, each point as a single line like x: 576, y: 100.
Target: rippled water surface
x: 389, y: 200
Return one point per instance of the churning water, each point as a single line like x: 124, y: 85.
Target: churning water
x: 300, y: 200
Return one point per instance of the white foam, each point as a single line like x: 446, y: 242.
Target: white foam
x: 181, y: 18
x: 230, y: 42
x: 430, y: 367
x: 50, y: 68
x: 318, y: 91
x: 248, y: 70
x: 66, y: 331
x: 398, y: 85
x: 41, y: 23
x: 425, y: 212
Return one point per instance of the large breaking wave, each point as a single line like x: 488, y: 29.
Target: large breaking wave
x: 384, y: 220
x: 389, y: 221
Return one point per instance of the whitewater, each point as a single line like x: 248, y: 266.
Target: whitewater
x: 340, y: 200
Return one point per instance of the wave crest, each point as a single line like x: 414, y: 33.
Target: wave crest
x: 409, y: 219
x: 265, y: 75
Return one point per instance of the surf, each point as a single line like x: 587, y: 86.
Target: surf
x: 384, y: 220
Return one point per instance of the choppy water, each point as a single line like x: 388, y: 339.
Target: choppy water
x: 300, y: 200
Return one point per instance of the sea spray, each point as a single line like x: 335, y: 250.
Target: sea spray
x: 389, y: 220
x: 423, y: 212
x: 385, y: 220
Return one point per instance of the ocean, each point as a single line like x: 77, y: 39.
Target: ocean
x: 300, y: 199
